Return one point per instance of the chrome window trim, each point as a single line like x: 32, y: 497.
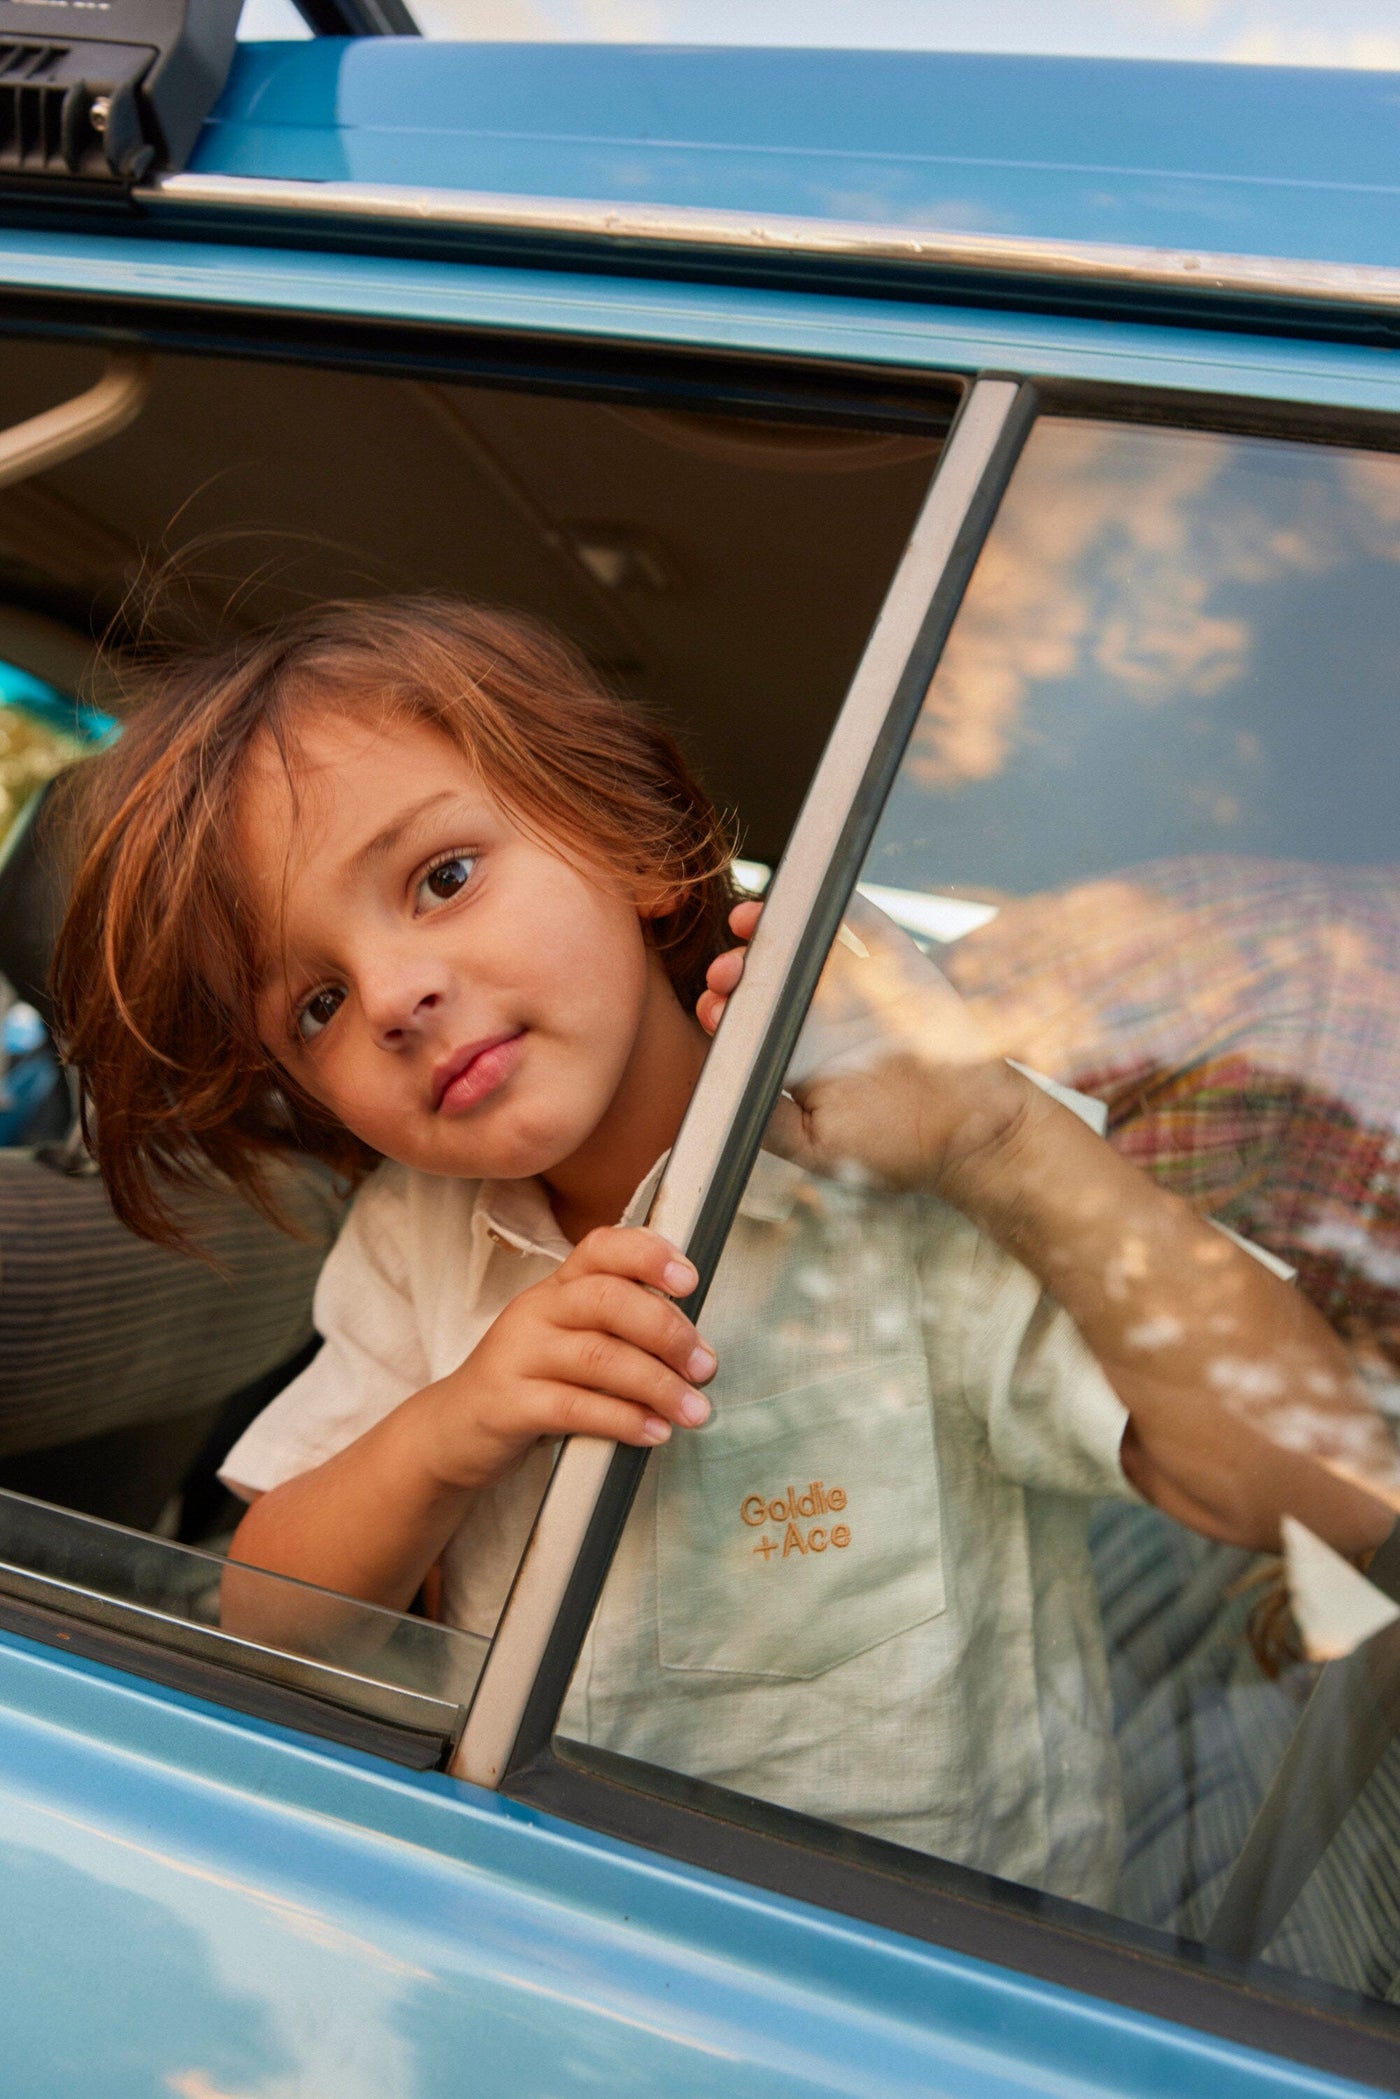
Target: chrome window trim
x: 1078, y: 263
x: 547, y: 1608
x: 332, y: 1682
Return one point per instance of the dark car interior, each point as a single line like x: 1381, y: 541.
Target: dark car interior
x: 721, y: 568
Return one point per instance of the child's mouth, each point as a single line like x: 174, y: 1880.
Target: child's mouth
x: 471, y: 1074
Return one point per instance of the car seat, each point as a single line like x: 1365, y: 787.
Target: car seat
x: 117, y: 1358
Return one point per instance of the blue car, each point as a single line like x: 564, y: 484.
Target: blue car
x: 990, y: 467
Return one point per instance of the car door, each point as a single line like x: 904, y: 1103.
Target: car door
x: 408, y: 1918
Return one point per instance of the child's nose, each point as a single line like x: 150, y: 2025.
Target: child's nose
x: 397, y: 1004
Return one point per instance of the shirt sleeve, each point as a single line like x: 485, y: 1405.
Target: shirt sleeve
x: 372, y: 1355
x: 1052, y: 1418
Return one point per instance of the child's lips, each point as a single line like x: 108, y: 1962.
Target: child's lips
x: 471, y: 1074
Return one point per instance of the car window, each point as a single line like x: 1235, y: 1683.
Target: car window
x: 1044, y: 1522
x: 657, y: 536
x: 390, y: 1683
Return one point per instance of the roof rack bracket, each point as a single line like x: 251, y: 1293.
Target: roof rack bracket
x: 107, y: 95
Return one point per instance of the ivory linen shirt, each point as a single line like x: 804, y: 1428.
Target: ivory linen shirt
x: 863, y: 1589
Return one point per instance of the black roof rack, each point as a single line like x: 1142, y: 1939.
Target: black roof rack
x: 107, y: 94
x: 358, y: 17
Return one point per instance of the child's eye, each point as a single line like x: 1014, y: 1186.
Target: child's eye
x: 445, y: 879
x: 319, y: 1010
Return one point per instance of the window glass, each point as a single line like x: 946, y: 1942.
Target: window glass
x: 408, y: 1677
x: 1044, y: 1520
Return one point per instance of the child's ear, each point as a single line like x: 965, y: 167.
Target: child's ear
x: 659, y: 904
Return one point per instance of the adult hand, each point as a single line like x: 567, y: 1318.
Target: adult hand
x: 893, y: 1076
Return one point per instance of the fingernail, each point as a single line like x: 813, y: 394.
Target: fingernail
x: 655, y: 1430
x: 694, y: 1409
x: 701, y: 1363
x: 680, y: 1278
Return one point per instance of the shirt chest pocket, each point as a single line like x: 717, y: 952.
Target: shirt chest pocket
x: 797, y: 1531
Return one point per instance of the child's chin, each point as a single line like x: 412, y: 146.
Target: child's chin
x: 514, y: 1159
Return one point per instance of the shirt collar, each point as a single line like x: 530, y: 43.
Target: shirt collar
x: 517, y: 1213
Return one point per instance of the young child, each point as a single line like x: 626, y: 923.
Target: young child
x: 399, y: 883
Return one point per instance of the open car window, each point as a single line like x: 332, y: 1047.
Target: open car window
x: 916, y: 1581
x: 722, y: 568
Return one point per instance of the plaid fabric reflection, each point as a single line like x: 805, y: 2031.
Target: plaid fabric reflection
x: 1242, y: 1021
x: 1241, y: 1018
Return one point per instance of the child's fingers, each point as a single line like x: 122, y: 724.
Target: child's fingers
x: 720, y: 979
x: 602, y: 1363
x: 725, y: 971
x: 632, y: 1250
x: 611, y: 1304
x: 572, y: 1410
x: 709, y: 1010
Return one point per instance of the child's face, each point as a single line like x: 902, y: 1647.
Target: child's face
x: 458, y: 995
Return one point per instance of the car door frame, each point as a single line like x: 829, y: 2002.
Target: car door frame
x: 998, y: 1922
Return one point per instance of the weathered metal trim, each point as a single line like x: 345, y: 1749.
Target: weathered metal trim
x: 636, y: 226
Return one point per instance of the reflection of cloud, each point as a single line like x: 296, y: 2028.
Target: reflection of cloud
x: 1085, y: 564
x: 1106, y: 560
x: 1194, y: 653
x: 1372, y: 481
x: 925, y: 214
x: 1222, y: 809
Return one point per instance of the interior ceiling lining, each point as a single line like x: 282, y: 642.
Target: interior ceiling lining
x: 747, y: 559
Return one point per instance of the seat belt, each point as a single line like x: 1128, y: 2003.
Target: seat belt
x: 1351, y: 1718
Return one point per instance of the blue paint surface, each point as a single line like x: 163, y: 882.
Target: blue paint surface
x: 1236, y: 159
x: 725, y: 317
x: 198, y: 1903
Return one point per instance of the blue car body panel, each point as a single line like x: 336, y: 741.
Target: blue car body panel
x: 582, y: 306
x: 202, y: 1905
x: 1245, y: 160
x: 205, y: 1904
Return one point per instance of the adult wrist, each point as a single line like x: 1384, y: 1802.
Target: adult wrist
x: 983, y: 1171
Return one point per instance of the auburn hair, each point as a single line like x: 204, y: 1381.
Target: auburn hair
x: 155, y: 970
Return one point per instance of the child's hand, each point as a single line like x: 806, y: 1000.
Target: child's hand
x: 892, y: 1074
x: 725, y: 971
x: 595, y: 1350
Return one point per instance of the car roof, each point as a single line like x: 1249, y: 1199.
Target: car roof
x: 1281, y: 162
